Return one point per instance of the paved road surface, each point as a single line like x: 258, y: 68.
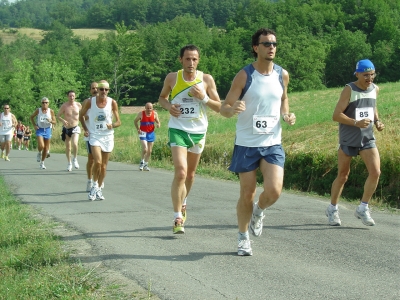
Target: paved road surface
x: 298, y: 256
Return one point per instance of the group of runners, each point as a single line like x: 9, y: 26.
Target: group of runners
x: 18, y: 135
x: 258, y: 96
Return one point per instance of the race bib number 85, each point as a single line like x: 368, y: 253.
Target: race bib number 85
x: 365, y: 113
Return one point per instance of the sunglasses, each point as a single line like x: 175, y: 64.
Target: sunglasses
x: 268, y: 44
x: 45, y: 102
x: 103, y: 89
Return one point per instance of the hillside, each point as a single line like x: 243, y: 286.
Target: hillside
x: 11, y: 34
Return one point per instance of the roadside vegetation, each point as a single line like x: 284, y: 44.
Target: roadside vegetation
x: 34, y: 263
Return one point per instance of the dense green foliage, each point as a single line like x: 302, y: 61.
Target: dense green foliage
x: 319, y: 43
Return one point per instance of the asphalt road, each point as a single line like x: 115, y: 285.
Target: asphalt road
x: 298, y: 255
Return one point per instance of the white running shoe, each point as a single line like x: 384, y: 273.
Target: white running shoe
x: 92, y: 193
x: 244, y: 248
x: 38, y: 157
x: 99, y: 195
x: 146, y: 168
x: 256, y: 224
x: 141, y: 166
x: 48, y: 155
x: 42, y: 166
x: 89, y: 185
x: 333, y: 217
x: 75, y: 162
x: 365, y: 216
x: 6, y: 158
x: 69, y: 167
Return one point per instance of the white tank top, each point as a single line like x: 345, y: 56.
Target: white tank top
x: 259, y: 125
x: 193, y: 118
x: 6, y: 124
x: 42, y: 118
x: 99, y: 118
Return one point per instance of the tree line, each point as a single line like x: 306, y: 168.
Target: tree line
x: 319, y: 42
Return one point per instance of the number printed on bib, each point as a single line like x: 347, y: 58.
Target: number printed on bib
x: 189, y: 110
x: 264, y: 124
x: 44, y: 119
x: 365, y: 113
x: 100, y: 123
x: 6, y: 124
x: 142, y: 134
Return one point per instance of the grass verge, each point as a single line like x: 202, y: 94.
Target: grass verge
x: 34, y: 263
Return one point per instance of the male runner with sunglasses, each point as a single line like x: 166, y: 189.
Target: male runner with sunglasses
x: 259, y: 96
x: 103, y: 111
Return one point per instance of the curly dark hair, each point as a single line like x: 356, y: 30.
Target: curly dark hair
x: 255, y: 39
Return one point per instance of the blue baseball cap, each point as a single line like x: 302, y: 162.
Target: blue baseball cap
x: 364, y: 65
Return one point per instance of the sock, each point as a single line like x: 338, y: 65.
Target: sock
x: 95, y: 184
x: 184, y: 201
x: 333, y: 207
x: 363, y: 205
x: 243, y: 235
x: 142, y: 161
x: 90, y: 180
x: 146, y: 162
x: 178, y: 215
x: 257, y: 210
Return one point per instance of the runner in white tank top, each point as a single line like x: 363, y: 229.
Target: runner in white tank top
x: 103, y: 110
x: 259, y: 95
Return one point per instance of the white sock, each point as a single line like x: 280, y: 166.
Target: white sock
x: 257, y: 210
x: 95, y: 184
x: 333, y: 207
x: 184, y: 201
x: 243, y: 235
x: 178, y: 215
x: 363, y: 205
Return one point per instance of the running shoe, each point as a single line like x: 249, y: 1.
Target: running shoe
x: 99, y: 195
x: 75, y: 162
x: 69, y: 167
x: 19, y: 148
x: 333, y: 217
x: 42, y: 166
x: 184, y: 215
x: 244, y: 248
x: 38, y: 157
x: 146, y: 168
x: 6, y: 158
x: 178, y: 226
x: 89, y: 185
x: 48, y: 155
x: 141, y: 166
x: 256, y: 224
x: 2, y: 155
x: 92, y: 193
x: 365, y: 216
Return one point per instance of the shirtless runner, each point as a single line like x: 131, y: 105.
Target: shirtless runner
x: 71, y: 130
